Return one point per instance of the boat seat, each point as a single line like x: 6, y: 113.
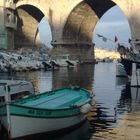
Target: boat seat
x: 54, y: 100
x: 36, y: 101
x: 63, y: 101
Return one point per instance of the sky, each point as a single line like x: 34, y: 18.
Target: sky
x: 112, y: 23
x: 45, y: 32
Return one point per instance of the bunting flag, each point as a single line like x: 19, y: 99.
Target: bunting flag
x: 104, y: 39
x: 99, y: 35
x: 116, y: 39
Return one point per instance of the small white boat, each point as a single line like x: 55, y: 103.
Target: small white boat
x: 17, y: 88
x: 49, y: 111
x: 120, y: 70
x: 131, y: 56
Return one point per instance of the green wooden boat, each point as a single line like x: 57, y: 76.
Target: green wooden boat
x: 45, y: 112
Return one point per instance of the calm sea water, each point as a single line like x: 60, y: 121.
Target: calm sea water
x: 116, y: 113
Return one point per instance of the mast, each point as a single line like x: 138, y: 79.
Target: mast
x: 7, y: 101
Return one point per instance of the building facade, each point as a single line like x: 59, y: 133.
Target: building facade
x: 8, y: 23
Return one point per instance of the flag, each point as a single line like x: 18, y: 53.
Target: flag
x: 104, y: 39
x: 129, y: 40
x: 99, y: 35
x: 116, y: 39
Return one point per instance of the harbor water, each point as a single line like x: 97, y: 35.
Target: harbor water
x: 116, y: 113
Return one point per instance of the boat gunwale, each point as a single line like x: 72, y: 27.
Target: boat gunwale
x: 75, y: 108
x: 34, y: 115
x: 49, y: 93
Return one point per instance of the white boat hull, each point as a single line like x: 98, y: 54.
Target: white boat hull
x: 120, y: 70
x: 26, y: 126
x: 16, y: 87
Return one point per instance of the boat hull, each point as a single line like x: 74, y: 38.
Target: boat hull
x: 46, y: 112
x: 128, y: 65
x: 26, y: 126
x: 120, y: 70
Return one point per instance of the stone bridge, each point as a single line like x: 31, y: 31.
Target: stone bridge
x: 72, y: 23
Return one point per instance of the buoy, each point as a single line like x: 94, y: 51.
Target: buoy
x: 85, y: 108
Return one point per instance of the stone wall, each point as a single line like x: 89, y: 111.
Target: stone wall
x: 131, y: 9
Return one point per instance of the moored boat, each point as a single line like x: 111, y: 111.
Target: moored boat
x: 127, y: 63
x: 49, y: 111
x: 17, y: 88
x: 120, y: 70
x: 131, y: 56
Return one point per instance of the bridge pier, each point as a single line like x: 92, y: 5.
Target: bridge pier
x: 83, y: 52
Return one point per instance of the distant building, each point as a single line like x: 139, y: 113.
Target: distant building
x: 8, y: 23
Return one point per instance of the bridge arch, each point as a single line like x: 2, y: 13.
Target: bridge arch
x: 72, y: 22
x: 79, y: 27
x: 82, y: 19
x: 60, y: 21
x: 28, y: 17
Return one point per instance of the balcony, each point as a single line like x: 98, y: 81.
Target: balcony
x: 9, y: 4
x: 10, y: 20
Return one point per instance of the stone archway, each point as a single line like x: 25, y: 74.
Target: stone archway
x: 72, y: 22
x: 77, y: 33
x: 27, y: 30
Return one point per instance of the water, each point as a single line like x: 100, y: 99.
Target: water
x: 116, y: 113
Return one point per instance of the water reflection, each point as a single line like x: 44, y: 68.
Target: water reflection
x: 117, y: 105
x: 41, y: 80
x: 121, y: 81
x: 124, y: 123
x: 130, y: 98
x: 82, y: 76
x: 44, y: 81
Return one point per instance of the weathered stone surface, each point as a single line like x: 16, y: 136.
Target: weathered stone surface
x: 131, y: 9
x: 25, y: 36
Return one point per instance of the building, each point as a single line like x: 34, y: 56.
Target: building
x: 8, y: 23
